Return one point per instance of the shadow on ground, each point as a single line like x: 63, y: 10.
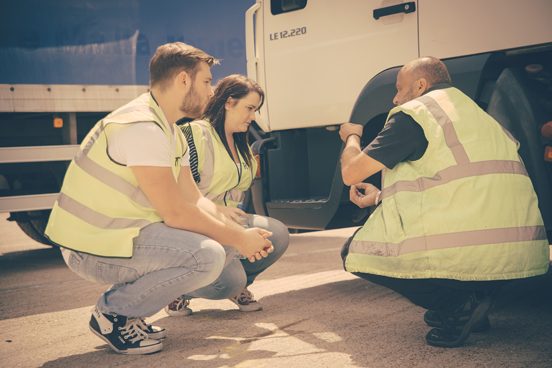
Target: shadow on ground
x: 346, y: 324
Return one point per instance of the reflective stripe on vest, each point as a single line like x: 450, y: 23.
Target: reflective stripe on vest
x: 454, y: 172
x: 209, y: 162
x: 459, y: 153
x: 95, y: 218
x: 108, y: 177
x: 231, y: 195
x: 463, y: 169
x: 207, y: 172
x: 450, y: 240
x: 454, y: 229
x: 106, y: 223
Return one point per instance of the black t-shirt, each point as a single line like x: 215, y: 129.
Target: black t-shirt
x: 402, y: 139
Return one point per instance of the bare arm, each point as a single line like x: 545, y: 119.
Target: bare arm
x: 182, y: 206
x: 232, y: 213
x: 355, y: 164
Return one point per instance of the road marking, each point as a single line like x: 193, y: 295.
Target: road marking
x: 44, y: 284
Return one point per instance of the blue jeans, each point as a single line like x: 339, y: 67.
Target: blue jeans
x: 241, y: 273
x: 169, y: 262
x: 166, y: 262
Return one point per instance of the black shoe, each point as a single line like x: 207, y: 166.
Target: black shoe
x: 154, y: 332
x: 435, y: 319
x: 123, y: 334
x: 458, y: 326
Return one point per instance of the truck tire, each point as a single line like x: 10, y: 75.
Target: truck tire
x: 33, y: 223
x: 515, y: 106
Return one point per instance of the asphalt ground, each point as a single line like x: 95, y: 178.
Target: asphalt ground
x: 314, y: 315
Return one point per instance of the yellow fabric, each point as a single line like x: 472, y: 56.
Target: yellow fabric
x: 483, y: 202
x: 94, y: 192
x: 225, y: 174
x: 463, y: 264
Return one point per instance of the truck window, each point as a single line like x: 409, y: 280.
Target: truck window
x: 285, y: 6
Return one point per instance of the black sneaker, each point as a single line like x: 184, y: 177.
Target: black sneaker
x: 435, y: 319
x: 154, y: 332
x: 457, y: 327
x: 123, y: 334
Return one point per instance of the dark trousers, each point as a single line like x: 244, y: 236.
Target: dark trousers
x: 442, y: 295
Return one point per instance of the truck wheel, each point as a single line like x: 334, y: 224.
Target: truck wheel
x: 33, y: 223
x: 515, y: 105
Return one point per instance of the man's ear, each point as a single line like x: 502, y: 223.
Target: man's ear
x: 183, y: 80
x: 420, y: 87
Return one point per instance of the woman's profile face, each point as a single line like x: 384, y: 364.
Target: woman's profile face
x: 240, y: 113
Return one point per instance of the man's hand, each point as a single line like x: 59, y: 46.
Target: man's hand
x: 355, y: 164
x: 232, y: 213
x: 363, y: 200
x: 255, y: 244
x: 347, y: 129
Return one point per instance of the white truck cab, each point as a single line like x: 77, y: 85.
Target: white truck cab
x: 324, y: 62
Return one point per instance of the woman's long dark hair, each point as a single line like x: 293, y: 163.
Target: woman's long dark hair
x: 235, y: 86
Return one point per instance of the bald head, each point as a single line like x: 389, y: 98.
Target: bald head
x: 417, y: 76
x: 430, y: 68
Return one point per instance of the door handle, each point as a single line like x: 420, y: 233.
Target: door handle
x: 395, y: 9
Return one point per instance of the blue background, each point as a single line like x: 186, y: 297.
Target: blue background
x: 90, y: 42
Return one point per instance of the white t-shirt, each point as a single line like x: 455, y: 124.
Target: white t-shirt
x: 144, y: 144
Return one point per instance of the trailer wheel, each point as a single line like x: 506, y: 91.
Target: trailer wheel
x: 33, y: 223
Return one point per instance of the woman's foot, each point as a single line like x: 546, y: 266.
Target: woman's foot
x: 246, y: 301
x: 178, y: 308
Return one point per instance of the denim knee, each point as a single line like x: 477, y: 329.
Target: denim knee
x: 280, y: 237
x: 280, y: 233
x: 210, y: 258
x: 231, y: 281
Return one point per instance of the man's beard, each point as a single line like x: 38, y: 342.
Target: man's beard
x: 192, y: 105
x: 409, y: 96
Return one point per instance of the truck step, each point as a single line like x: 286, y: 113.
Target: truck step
x: 297, y: 203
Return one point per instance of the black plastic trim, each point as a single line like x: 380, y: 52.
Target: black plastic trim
x: 406, y: 8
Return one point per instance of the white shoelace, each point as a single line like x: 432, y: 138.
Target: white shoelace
x: 132, y: 331
x: 142, y: 324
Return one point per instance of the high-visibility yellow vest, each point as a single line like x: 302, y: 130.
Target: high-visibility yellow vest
x: 221, y: 180
x: 101, y: 208
x: 466, y: 210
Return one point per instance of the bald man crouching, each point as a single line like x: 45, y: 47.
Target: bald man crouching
x: 456, y: 216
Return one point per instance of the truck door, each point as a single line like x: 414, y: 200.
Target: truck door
x: 449, y: 30
x: 315, y: 56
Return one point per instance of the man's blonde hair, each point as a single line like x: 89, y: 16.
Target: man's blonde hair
x: 173, y: 58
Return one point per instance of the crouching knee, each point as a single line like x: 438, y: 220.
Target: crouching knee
x: 210, y: 258
x: 280, y: 237
x: 231, y: 281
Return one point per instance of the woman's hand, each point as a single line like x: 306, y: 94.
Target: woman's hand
x: 252, y: 235
x: 255, y: 244
x: 232, y: 213
x: 363, y: 200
